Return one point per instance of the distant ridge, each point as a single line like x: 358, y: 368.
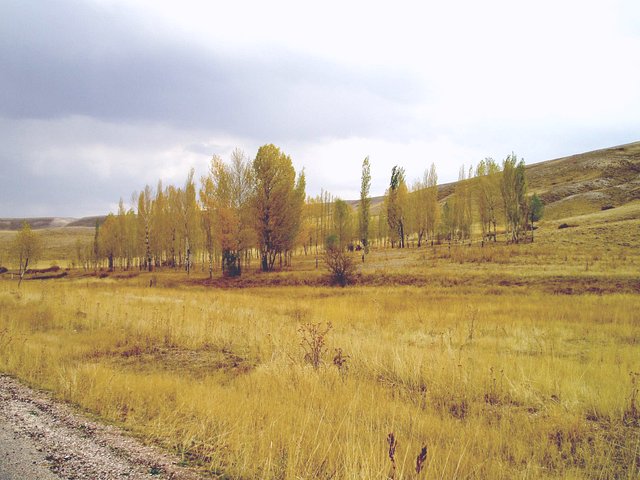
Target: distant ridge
x: 583, y: 182
x: 49, y: 222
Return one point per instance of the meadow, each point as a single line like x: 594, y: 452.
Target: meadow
x: 504, y: 361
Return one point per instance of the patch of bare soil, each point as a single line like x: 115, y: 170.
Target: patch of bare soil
x: 41, y: 435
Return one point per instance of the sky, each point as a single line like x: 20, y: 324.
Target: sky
x: 100, y: 97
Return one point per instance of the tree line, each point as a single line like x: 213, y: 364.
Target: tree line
x: 492, y: 194
x: 244, y: 210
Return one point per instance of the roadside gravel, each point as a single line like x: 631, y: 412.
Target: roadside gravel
x: 42, y: 439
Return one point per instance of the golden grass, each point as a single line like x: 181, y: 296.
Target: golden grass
x: 506, y: 361
x: 510, y: 384
x: 59, y: 245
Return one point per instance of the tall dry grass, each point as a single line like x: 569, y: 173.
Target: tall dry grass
x: 496, y: 382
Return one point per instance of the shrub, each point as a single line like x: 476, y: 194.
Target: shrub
x: 339, y: 263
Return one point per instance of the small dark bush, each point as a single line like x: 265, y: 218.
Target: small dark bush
x: 230, y: 264
x: 564, y: 225
x: 607, y: 207
x: 3, y: 270
x: 340, y: 265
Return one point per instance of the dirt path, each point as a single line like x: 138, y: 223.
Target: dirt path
x: 41, y: 439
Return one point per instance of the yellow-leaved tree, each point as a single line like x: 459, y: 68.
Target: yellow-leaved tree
x: 278, y: 203
x: 226, y: 196
x: 26, y: 248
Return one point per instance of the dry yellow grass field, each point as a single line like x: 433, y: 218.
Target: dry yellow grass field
x: 509, y: 361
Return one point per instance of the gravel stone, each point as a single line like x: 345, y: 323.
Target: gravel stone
x: 42, y: 439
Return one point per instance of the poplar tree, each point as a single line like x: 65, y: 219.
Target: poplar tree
x: 108, y: 240
x: 514, y: 195
x: 188, y: 210
x: 145, y: 217
x: 418, y: 210
x: 488, y: 196
x: 207, y: 200
x: 433, y: 208
x: 396, y: 205
x: 461, y: 207
x: 424, y: 205
x: 342, y: 223
x: 159, y: 225
x: 364, y: 205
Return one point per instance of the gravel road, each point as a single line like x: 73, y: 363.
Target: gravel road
x: 44, y: 440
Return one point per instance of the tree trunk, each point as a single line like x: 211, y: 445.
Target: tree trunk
x: 23, y: 270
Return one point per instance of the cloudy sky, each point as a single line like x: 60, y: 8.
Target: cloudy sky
x: 100, y: 97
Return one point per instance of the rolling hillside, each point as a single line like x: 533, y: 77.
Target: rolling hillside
x: 568, y: 186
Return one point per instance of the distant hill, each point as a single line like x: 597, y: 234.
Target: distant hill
x: 568, y: 186
x: 587, y: 182
x: 40, y: 222
x: 87, y: 221
x: 578, y: 184
x: 49, y: 222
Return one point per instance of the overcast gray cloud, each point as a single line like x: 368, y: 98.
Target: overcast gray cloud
x: 64, y: 58
x: 100, y: 97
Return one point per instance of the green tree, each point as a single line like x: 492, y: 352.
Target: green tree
x: 26, y: 249
x: 108, y: 240
x: 424, y: 209
x: 145, y: 220
x: 514, y: 196
x: 417, y: 210
x: 364, y: 205
x: 396, y: 206
x: 160, y: 240
x: 174, y: 200
x: 278, y: 203
x: 432, y: 207
x: 536, y: 210
x: 461, y: 208
x: 342, y: 223
x: 487, y: 190
x: 189, y: 217
x: 96, y: 246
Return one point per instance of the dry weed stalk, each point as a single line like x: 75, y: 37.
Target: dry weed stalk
x: 341, y: 361
x: 393, y: 444
x: 420, y: 459
x: 631, y: 414
x: 313, y: 337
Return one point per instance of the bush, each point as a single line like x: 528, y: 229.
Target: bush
x: 340, y: 265
x: 230, y: 264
